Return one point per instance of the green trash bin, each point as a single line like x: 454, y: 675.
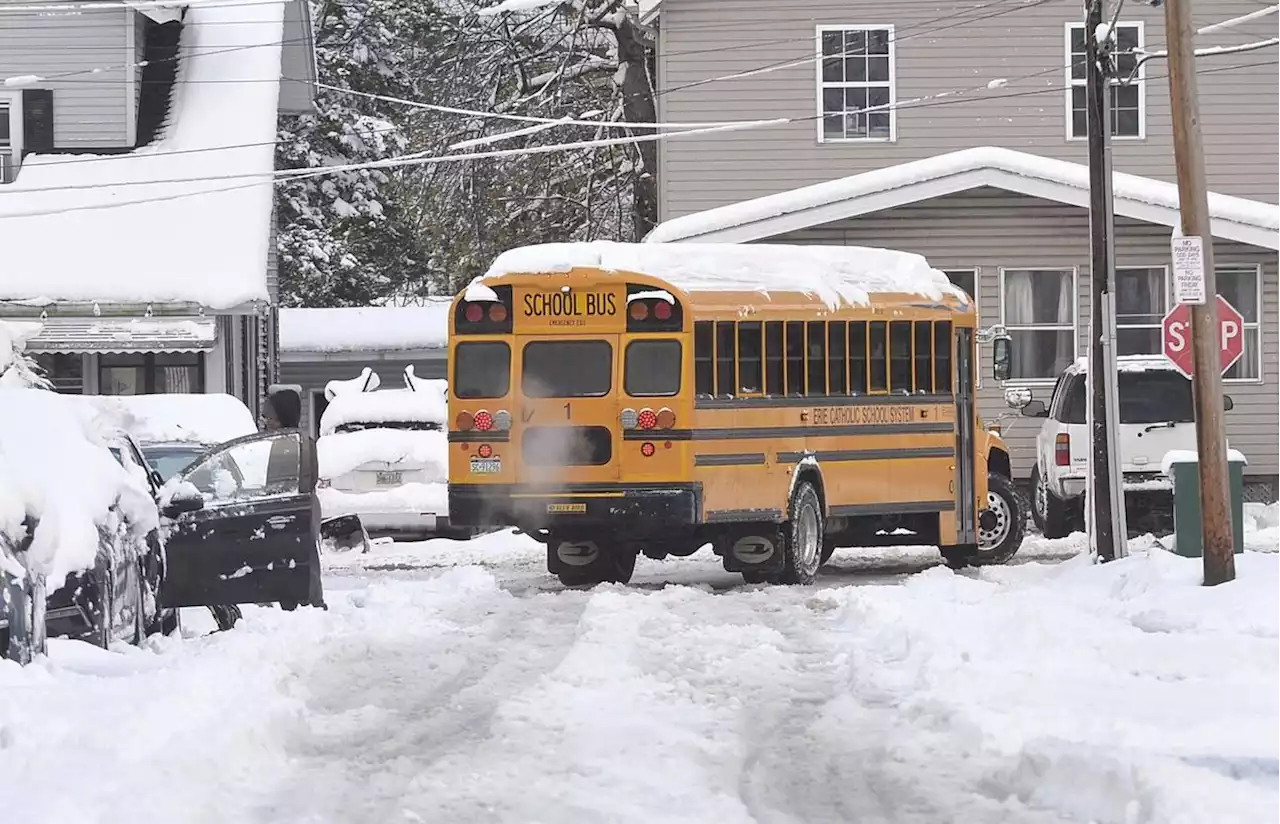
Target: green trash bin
x: 1183, y: 468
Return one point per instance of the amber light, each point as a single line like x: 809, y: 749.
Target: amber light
x: 497, y: 312
x: 474, y: 313
x: 639, y: 311
x: 666, y: 418
x: 662, y: 310
x: 646, y: 449
x: 483, y: 421
x: 464, y: 421
x: 485, y: 451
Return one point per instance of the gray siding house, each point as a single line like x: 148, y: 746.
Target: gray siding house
x: 956, y: 131
x: 124, y: 285
x: 322, y: 345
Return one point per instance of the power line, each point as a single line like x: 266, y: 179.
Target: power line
x: 419, y: 158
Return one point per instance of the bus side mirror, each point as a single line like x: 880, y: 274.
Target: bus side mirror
x: 1227, y: 403
x: 1002, y: 358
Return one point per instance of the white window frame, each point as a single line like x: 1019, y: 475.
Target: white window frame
x: 1140, y: 81
x: 1168, y: 297
x: 893, y: 82
x: 1258, y: 325
x: 1075, y: 318
x: 13, y: 101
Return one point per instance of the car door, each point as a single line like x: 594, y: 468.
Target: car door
x: 253, y: 537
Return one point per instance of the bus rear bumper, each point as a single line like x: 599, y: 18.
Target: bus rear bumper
x: 634, y: 508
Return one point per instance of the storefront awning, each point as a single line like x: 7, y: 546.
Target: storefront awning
x: 171, y: 334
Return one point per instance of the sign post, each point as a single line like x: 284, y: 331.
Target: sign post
x: 1176, y: 336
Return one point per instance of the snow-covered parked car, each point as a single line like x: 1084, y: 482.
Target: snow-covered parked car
x: 80, y: 544
x: 384, y: 459
x: 1157, y: 415
x: 175, y: 429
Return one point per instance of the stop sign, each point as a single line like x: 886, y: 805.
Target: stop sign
x: 1176, y: 329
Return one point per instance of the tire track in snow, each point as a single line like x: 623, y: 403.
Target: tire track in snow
x: 387, y: 703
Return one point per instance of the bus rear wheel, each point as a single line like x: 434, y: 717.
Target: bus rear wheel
x: 586, y: 563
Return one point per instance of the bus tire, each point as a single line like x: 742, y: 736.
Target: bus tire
x: 1001, y: 537
x: 802, y: 536
x: 612, y: 564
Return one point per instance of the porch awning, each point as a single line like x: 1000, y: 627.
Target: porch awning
x: 120, y: 335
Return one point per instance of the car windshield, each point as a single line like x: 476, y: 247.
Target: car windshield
x: 413, y: 426
x: 170, y: 460
x: 1154, y: 396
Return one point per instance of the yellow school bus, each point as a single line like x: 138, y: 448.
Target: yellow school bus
x: 773, y: 402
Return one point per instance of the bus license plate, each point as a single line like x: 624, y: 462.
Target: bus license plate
x: 486, y: 466
x: 389, y: 478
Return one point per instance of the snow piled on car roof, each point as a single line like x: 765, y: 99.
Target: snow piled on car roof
x: 387, y: 406
x: 199, y: 419
x: 55, y: 468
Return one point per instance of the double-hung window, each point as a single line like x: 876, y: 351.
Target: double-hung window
x: 1038, y: 308
x: 1142, y: 299
x: 856, y: 83
x: 1128, y: 101
x: 1242, y: 287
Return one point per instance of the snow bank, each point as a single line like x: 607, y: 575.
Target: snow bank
x: 836, y: 274
x: 385, y: 406
x: 55, y: 467
x: 366, y: 329
x: 406, y: 498
x: 201, y: 419
x: 1131, y: 191
x: 1262, y: 527
x: 203, y: 242
x: 340, y: 452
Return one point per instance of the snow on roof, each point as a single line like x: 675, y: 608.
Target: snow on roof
x: 835, y: 274
x: 386, y: 406
x: 1129, y: 363
x: 201, y: 419
x: 210, y: 248
x: 1141, y: 198
x: 55, y: 467
x: 374, y: 329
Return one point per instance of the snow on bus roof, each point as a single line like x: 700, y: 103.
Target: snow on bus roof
x: 835, y: 274
x: 1129, y: 363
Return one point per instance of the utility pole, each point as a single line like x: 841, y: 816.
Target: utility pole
x: 1108, y: 532
x: 1193, y: 202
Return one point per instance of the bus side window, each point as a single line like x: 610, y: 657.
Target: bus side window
x: 924, y: 356
x: 817, y: 351
x: 749, y: 358
x: 774, y: 385
x: 858, y: 357
x: 900, y: 357
x: 703, y: 363
x: 795, y: 357
x: 878, y: 356
x: 942, y: 357
x: 837, y: 363
x: 726, y: 358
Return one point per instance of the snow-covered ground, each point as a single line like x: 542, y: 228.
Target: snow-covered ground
x: 455, y: 682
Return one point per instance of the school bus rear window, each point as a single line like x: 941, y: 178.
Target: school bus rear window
x: 567, y: 369
x: 481, y: 369
x: 652, y: 368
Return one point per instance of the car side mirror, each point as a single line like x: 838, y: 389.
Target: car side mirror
x: 179, y: 506
x: 180, y: 497
x: 1002, y: 358
x: 1227, y: 403
x: 1035, y: 409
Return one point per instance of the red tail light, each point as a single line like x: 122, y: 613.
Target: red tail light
x: 485, y: 451
x: 647, y: 419
x: 483, y: 421
x: 662, y: 310
x: 647, y: 449
x: 474, y: 312
x: 463, y: 422
x: 1062, y: 450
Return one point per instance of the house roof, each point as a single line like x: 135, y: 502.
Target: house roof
x: 1140, y: 198
x: 94, y: 228
x: 364, y: 329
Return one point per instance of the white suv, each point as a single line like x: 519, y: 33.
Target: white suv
x: 1156, y: 416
